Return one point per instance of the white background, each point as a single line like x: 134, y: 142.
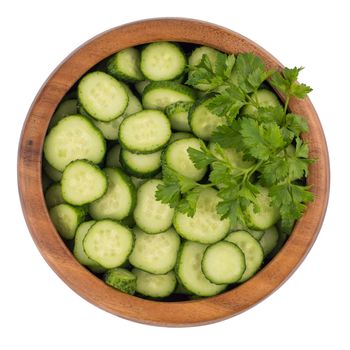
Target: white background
x: 38, y: 311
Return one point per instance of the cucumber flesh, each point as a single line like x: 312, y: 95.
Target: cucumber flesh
x: 141, y: 165
x: 206, y: 225
x: 269, y: 240
x: 267, y: 215
x: 83, y: 182
x: 223, y: 263
x: 155, y: 286
x: 102, y: 96
x: 119, y: 200
x: 66, y: 219
x: 151, y: 215
x: 203, y: 122
x: 159, y: 95
x: 252, y: 250
x: 162, y: 61
x: 178, y: 115
x: 176, y: 157
x: 145, y: 132
x: 108, y: 243
x: 155, y: 253
x: 74, y: 137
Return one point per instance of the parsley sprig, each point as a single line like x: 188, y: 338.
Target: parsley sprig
x: 270, y: 140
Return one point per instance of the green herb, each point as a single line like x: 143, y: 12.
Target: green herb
x: 270, y: 140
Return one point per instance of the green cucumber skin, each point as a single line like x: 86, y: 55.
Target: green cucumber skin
x: 126, y: 284
x: 135, y: 173
x: 113, y: 69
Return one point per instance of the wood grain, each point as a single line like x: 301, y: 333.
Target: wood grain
x: 60, y: 258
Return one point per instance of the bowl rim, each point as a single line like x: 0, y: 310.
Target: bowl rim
x: 59, y: 257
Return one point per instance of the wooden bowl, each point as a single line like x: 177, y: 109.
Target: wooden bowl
x: 59, y: 257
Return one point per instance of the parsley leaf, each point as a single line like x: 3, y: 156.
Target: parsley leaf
x: 200, y: 159
x: 227, y: 103
x: 261, y: 141
x: 286, y: 82
x: 249, y: 72
x: 296, y: 124
x: 168, y: 194
x: 206, y: 77
x: 291, y: 199
x: 174, y: 184
x: 188, y: 204
x: 227, y: 136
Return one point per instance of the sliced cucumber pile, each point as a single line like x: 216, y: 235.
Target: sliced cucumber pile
x: 106, y: 153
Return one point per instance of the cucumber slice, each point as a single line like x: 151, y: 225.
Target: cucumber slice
x: 145, y: 131
x: 155, y: 253
x: 102, y: 96
x: 53, y: 195
x: 155, y: 286
x: 65, y: 108
x: 267, y: 215
x: 206, y: 225
x: 176, y: 157
x: 66, y: 219
x: 180, y: 135
x: 74, y: 137
x: 125, y: 65
x: 223, y: 263
x: 178, y: 115
x: 197, y: 55
x: 251, y: 249
x: 190, y: 273
x: 162, y: 61
x: 112, y: 157
x: 141, y: 165
x: 53, y: 174
x: 119, y: 200
x: 121, y: 279
x: 108, y: 243
x: 202, y: 121
x: 265, y: 98
x: 159, y: 95
x: 152, y: 216
x: 141, y: 85
x: 269, y: 240
x: 83, y: 182
x: 78, y: 250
